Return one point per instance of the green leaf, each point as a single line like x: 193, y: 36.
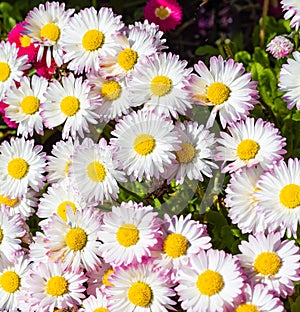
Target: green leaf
x: 243, y: 57
x: 296, y: 116
x: 295, y: 306
x: 207, y: 50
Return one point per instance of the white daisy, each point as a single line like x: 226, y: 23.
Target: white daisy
x: 127, y: 233
x: 257, y: 297
x: 140, y: 289
x: 226, y: 87
x: 193, y: 160
x: 24, y: 105
x: 24, y: 205
x: 12, y: 67
x: 58, y: 164
x: 292, y: 8
x: 268, y: 260
x: 74, y: 242
x: 71, y: 104
x: 57, y: 198
x: 250, y: 143
x: 157, y: 82
x: 132, y: 47
x: 278, y: 197
x: 289, y: 81
x: 94, y: 172
x: 211, y: 282
x: 12, y: 276
x: 89, y: 36
x: 11, y: 232
x: 183, y: 237
x: 114, y: 94
x: 52, y: 285
x: 22, y: 164
x: 96, y: 303
x: 37, y: 249
x: 144, y: 143
x: 45, y: 26
x: 240, y: 200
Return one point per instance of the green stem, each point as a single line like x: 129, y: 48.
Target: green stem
x: 263, y: 23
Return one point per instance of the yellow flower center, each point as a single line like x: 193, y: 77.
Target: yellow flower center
x: 96, y: 171
x: 111, y: 90
x: 186, y: 154
x: 17, y: 168
x: 162, y: 12
x: 10, y: 281
x: 1, y: 236
x: 92, y: 40
x: 4, y: 71
x: 57, y: 286
x: 246, y: 307
x: 30, y: 104
x: 67, y: 167
x: 25, y: 41
x: 101, y: 310
x: 105, y: 277
x: 209, y: 283
x: 267, y: 263
x: 140, y: 294
x: 161, y: 85
x: 62, y: 209
x: 144, y: 144
x: 7, y: 201
x: 76, y: 239
x: 127, y: 235
x: 217, y: 93
x: 290, y: 196
x: 69, y: 105
x: 127, y: 59
x: 247, y: 149
x: 175, y: 245
x: 50, y: 31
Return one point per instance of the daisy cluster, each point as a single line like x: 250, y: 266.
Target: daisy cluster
x: 119, y: 109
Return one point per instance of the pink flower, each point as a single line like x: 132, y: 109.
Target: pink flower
x: 165, y: 13
x: 280, y: 47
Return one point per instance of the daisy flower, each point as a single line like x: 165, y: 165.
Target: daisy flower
x: 278, y: 197
x: 268, y: 260
x: 114, y: 94
x: 94, y: 172
x: 52, y: 285
x: 257, y: 297
x: 75, y: 241
x: 12, y: 67
x: 140, y: 288
x: 165, y: 13
x: 89, y: 37
x: 58, y: 164
x: 37, y: 249
x: 132, y: 46
x: 12, y: 276
x: 240, y: 200
x: 24, y: 205
x: 292, y: 8
x: 57, y: 198
x: 11, y: 232
x: 24, y: 105
x: 280, y: 47
x: 250, y: 143
x: 226, y: 87
x: 22, y: 164
x: 23, y: 42
x: 183, y: 237
x: 157, y: 82
x: 45, y: 26
x: 96, y: 303
x: 289, y: 82
x: 193, y: 160
x: 71, y: 104
x: 127, y: 233
x: 211, y: 282
x: 144, y: 143
x: 153, y: 30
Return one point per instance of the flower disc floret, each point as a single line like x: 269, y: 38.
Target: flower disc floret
x: 127, y: 235
x: 93, y: 40
x: 76, y: 239
x: 4, y: 71
x: 57, y: 286
x: 30, y: 104
x: 267, y: 263
x: 127, y: 59
x: 290, y: 195
x: 247, y: 149
x: 50, y: 31
x: 175, y: 245
x: 217, y: 93
x: 10, y: 281
x: 209, y: 283
x: 140, y: 294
